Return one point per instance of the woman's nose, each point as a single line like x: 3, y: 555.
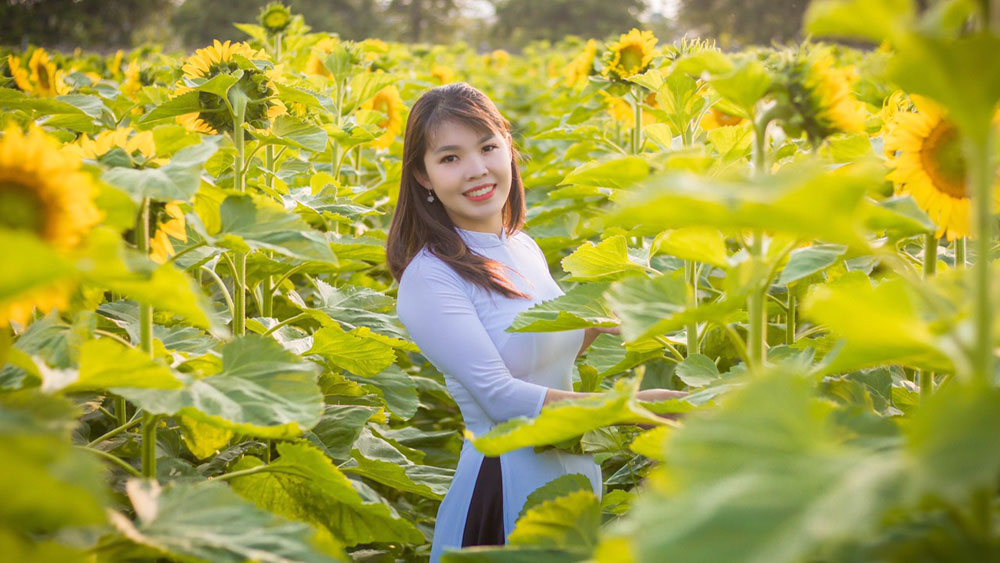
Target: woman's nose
x: 477, y: 168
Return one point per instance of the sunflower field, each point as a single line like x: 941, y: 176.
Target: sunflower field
x: 201, y: 359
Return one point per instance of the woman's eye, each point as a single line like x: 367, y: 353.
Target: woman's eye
x: 449, y: 158
x: 490, y: 148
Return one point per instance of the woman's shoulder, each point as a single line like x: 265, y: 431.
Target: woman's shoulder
x: 427, y: 269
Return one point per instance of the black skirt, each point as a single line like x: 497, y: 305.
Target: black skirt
x: 484, y: 522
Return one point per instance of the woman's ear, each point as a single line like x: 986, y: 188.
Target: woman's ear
x: 422, y: 178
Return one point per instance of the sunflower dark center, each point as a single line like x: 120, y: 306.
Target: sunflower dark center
x: 20, y: 208
x: 43, y: 77
x: 941, y: 158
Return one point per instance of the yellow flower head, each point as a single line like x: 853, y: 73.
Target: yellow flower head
x: 630, y: 55
x: 318, y: 54
x: 115, y: 67
x: 443, y: 74
x: 133, y: 81
x: 580, y: 68
x: 220, y: 58
x: 19, y: 74
x: 389, y: 102
x: 161, y: 249
x: 42, y: 189
x: 132, y: 142
x: 925, y: 155
x: 716, y: 118
x: 47, y: 298
x: 41, y: 78
x: 821, y: 94
x: 620, y: 110
x: 498, y: 58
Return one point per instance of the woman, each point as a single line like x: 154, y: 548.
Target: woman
x: 465, y: 270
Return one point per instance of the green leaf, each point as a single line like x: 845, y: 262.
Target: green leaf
x: 568, y: 522
x: 805, y: 200
x: 566, y: 419
x: 560, y: 486
x: 609, y: 356
x: 28, y: 263
x: 167, y: 111
x: 396, y: 388
x: 219, y: 84
x: 203, y: 439
x: 376, y: 459
x: 744, y: 85
x: 262, y: 390
x: 179, y: 179
x: 361, y: 356
x: 880, y: 325
x: 291, y: 132
x: 363, y: 86
x: 654, y: 306
x: 581, y: 307
x: 106, y: 364
x: 265, y: 225
x: 48, y: 484
x: 901, y: 217
x: 874, y: 21
x: 339, y: 427
x: 713, y: 62
x: 621, y: 172
x: 804, y: 262
x: 605, y: 261
x: 700, y: 244
x: 208, y: 522
x: 779, y: 483
x: 306, y: 486
x: 697, y: 370
x: 15, y: 99
x: 951, y: 442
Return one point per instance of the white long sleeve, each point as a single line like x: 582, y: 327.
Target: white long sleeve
x: 437, y: 310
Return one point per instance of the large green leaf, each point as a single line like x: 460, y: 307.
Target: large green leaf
x: 697, y: 370
x: 292, y: 132
x: 177, y: 180
x: 874, y: 21
x: 377, y: 459
x: 778, y: 483
x: 605, y: 261
x: 884, y: 324
x: 609, y: 355
x: 700, y: 244
x: 167, y: 111
x: 339, y: 427
x: 581, y: 307
x: 361, y: 356
x: 352, y: 306
x: 262, y: 224
x: 568, y: 522
x: 28, y: 263
x: 397, y: 389
x: 566, y: 419
x: 306, y: 486
x: 652, y: 306
x: 804, y: 262
x: 47, y: 484
x: 744, y: 85
x: 621, y: 172
x: 560, y: 486
x: 106, y: 364
x: 262, y: 390
x: 208, y: 522
x: 804, y: 200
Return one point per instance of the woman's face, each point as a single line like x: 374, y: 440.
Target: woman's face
x: 470, y: 173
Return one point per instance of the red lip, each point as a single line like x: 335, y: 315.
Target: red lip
x: 477, y: 187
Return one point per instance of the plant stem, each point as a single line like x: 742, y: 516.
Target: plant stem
x: 222, y: 286
x: 757, y: 309
x: 113, y: 433
x: 258, y: 469
x: 960, y: 254
x: 790, y: 324
x: 691, y: 277
x: 287, y: 321
x: 637, y: 116
x: 108, y: 457
x: 146, y: 345
x: 926, y: 378
x: 335, y: 150
x: 981, y: 172
x: 240, y: 270
x: 267, y: 294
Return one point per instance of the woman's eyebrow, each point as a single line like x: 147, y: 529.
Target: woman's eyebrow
x: 446, y: 148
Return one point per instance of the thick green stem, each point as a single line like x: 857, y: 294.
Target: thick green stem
x: 240, y: 270
x: 117, y: 461
x: 691, y: 276
x: 114, y: 432
x: 637, y: 116
x: 335, y: 150
x: 267, y: 295
x: 791, y: 323
x: 757, y: 309
x: 926, y: 378
x: 981, y: 176
x: 146, y: 346
x: 960, y: 254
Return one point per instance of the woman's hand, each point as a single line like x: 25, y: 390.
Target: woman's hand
x: 591, y: 334
x: 653, y: 395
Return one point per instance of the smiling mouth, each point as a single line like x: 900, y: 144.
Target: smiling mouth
x: 480, y: 192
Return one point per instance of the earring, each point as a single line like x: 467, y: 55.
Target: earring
x: 430, y: 196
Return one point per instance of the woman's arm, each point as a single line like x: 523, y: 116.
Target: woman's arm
x: 648, y: 395
x: 591, y: 335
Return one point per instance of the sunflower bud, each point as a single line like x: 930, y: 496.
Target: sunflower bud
x: 275, y: 18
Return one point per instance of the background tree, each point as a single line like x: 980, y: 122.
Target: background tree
x: 743, y: 22
x: 77, y: 23
x: 419, y: 21
x: 521, y: 21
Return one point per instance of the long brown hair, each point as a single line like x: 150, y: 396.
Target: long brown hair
x: 417, y: 223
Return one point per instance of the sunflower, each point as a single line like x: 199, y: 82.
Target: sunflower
x: 822, y: 95
x: 115, y: 67
x: 620, y: 110
x: 43, y: 191
x: 135, y: 144
x: 41, y: 78
x: 443, y: 74
x: 925, y: 155
x: 630, y: 55
x: 220, y: 58
x: 161, y: 249
x: 19, y: 74
x: 389, y: 102
x: 275, y: 18
x: 580, y: 68
x: 498, y: 58
x: 716, y: 118
x: 319, y: 52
